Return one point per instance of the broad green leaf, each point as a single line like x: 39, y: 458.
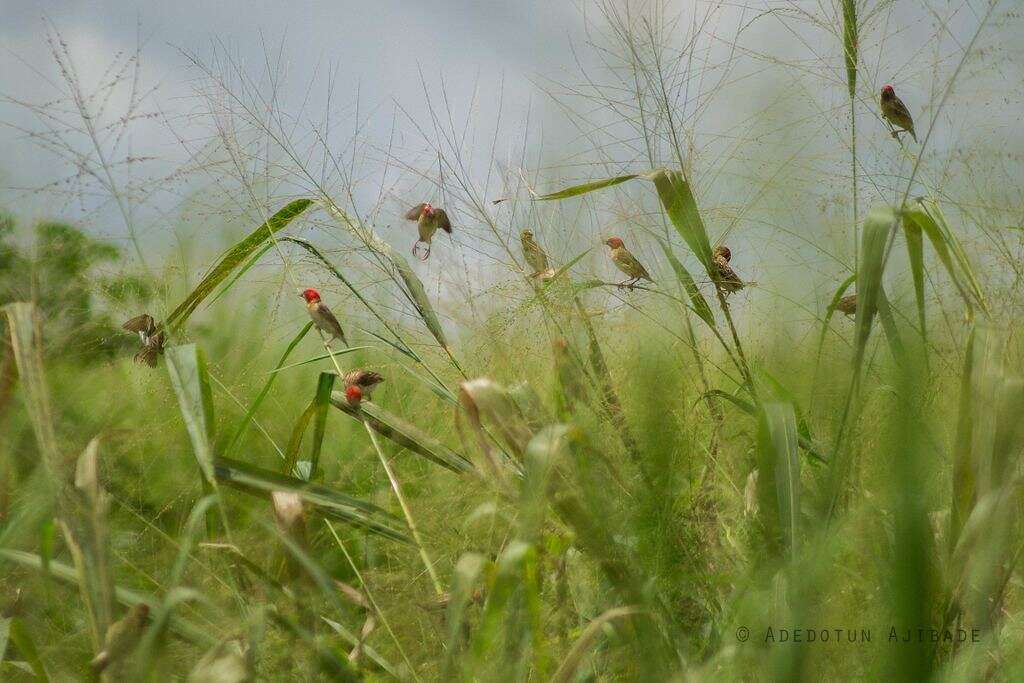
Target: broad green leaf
x: 401, y: 432
x: 700, y: 304
x: 291, y: 452
x: 780, y: 470
x: 235, y: 256
x: 322, y: 400
x: 21, y: 637
x: 5, y: 630
x: 964, y: 490
x: 915, y: 253
x: 677, y: 199
x: 191, y: 383
x: 874, y: 236
x: 243, y: 425
x: 751, y: 410
x: 323, y: 500
x: 253, y: 260
x: 577, y: 190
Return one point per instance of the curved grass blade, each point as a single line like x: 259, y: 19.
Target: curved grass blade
x: 339, y: 352
x: 577, y: 190
x: 700, y: 304
x: 567, y: 669
x: 323, y: 500
x: 187, y: 369
x: 253, y: 260
x: 915, y: 254
x: 677, y: 199
x: 404, y: 434
x: 236, y: 255
x: 869, y: 280
x: 20, y: 636
x: 751, y: 410
x: 244, y: 424
x: 779, y: 465
x: 563, y: 269
x: 324, y: 386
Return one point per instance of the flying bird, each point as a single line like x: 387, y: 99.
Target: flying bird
x: 896, y: 113
x: 428, y: 220
x: 535, y: 256
x: 150, y: 334
x: 847, y: 305
x: 322, y: 316
x: 365, y: 380
x: 627, y: 263
x: 727, y: 280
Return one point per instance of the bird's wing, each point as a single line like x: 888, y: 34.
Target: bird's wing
x: 141, y: 323
x: 331, y: 322
x: 632, y: 266
x: 441, y: 220
x: 414, y: 213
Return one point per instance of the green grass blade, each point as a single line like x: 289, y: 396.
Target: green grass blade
x: 191, y: 383
x: 850, y: 45
x: 243, y: 425
x: 324, y: 386
x: 253, y: 260
x: 291, y: 452
x: 779, y: 464
x: 700, y: 304
x: 236, y: 255
x: 751, y: 410
x: 577, y: 190
x: 677, y: 199
x: 26, y: 645
x: 323, y: 356
x: 963, y: 465
x: 915, y: 254
x: 875, y: 233
x: 404, y: 434
x: 323, y: 500
x: 468, y: 571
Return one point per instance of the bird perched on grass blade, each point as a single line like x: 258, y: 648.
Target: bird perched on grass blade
x: 366, y: 380
x: 896, y: 113
x: 627, y: 263
x: 727, y: 280
x: 533, y: 253
x: 152, y: 337
x: 428, y: 220
x: 121, y: 638
x: 847, y: 305
x: 322, y: 316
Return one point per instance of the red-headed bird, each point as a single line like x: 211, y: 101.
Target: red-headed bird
x: 627, y: 263
x: 896, y: 113
x: 365, y: 380
x: 353, y: 395
x: 428, y: 220
x: 322, y: 316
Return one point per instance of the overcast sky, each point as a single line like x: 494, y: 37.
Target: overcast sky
x: 779, y: 114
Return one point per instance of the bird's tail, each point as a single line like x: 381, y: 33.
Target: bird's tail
x: 425, y: 252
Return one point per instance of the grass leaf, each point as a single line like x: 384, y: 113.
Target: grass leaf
x: 577, y: 190
x: 874, y: 235
x: 236, y: 255
x: 779, y: 464
x: 191, y: 382
x: 323, y: 500
x: 700, y: 304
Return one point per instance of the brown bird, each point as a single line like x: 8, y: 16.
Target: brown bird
x: 322, y: 316
x: 627, y: 263
x: 428, y: 220
x: 896, y: 113
x: 847, y: 305
x: 121, y: 638
x: 152, y: 337
x: 535, y: 256
x: 727, y: 280
x: 366, y: 380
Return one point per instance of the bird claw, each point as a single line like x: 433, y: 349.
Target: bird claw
x: 416, y: 251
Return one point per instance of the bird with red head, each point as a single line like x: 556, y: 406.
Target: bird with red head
x: 322, y: 316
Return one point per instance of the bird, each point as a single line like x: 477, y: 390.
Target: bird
x: 847, y: 305
x: 353, y: 395
x: 535, y: 256
x: 896, y: 113
x: 322, y: 316
x: 726, y: 278
x: 365, y: 380
x: 428, y: 220
x: 627, y: 263
x: 152, y: 337
x: 121, y: 638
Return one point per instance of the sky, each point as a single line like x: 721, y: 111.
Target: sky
x: 764, y: 108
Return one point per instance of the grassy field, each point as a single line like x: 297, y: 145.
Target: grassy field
x: 560, y: 478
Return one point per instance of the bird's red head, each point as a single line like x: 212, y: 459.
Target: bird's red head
x: 613, y: 242
x: 428, y: 209
x: 311, y: 295
x: 887, y: 91
x: 353, y: 394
